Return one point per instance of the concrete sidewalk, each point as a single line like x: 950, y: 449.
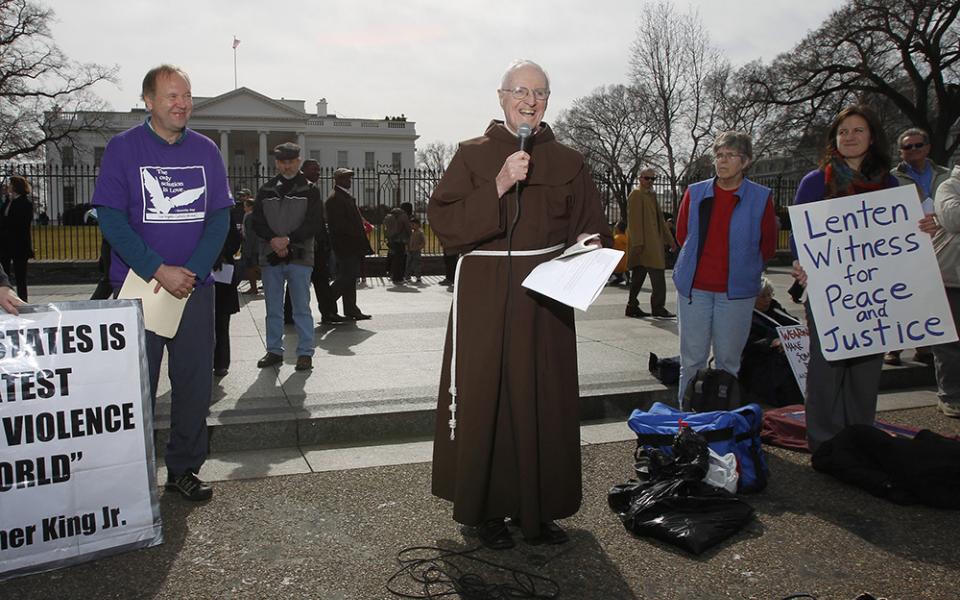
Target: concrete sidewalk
x: 335, y: 535
x: 337, y: 508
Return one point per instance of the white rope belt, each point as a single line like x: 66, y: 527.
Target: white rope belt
x: 453, y: 333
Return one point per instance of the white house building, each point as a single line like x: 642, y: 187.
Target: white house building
x: 247, y: 125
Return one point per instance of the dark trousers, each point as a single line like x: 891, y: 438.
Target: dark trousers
x: 345, y: 285
x: 658, y: 299
x: 190, y: 368
x: 839, y: 392
x: 221, y: 351
x: 19, y: 273
x: 397, y: 255
x: 320, y: 279
x: 321, y: 287
x: 450, y: 265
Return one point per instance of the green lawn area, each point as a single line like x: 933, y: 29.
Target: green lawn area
x: 82, y: 242
x: 66, y: 242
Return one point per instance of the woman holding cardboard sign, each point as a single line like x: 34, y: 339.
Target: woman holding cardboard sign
x: 855, y: 161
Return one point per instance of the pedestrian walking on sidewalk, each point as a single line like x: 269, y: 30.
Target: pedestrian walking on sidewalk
x: 648, y: 236
x: 415, y: 250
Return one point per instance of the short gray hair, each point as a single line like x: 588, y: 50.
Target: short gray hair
x: 913, y: 131
x: 738, y: 140
x: 521, y: 63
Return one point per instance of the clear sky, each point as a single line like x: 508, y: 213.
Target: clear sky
x: 436, y: 61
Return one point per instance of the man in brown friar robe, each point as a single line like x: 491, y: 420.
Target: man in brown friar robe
x: 516, y: 446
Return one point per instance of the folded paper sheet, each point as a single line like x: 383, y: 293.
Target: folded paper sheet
x: 576, y: 277
x: 161, y: 310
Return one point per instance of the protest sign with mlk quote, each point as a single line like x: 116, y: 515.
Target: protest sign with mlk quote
x: 77, y: 475
x: 873, y: 280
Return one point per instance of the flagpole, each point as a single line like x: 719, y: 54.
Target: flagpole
x: 235, y: 61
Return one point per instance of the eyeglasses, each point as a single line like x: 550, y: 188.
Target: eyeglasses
x: 648, y: 178
x: 520, y: 93
x: 726, y: 156
x: 916, y: 146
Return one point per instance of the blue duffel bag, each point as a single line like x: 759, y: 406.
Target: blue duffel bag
x: 736, y: 431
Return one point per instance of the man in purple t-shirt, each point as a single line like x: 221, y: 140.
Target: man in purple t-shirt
x: 163, y: 203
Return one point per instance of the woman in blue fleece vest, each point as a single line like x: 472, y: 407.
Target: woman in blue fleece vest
x: 727, y: 231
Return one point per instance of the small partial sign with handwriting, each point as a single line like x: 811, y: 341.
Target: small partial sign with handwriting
x: 795, y: 341
x: 577, y: 276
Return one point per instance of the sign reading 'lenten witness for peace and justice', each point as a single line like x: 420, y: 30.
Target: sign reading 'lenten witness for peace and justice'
x: 77, y: 475
x: 873, y: 280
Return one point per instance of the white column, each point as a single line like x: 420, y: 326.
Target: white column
x: 263, y: 149
x: 225, y: 147
x: 302, y: 142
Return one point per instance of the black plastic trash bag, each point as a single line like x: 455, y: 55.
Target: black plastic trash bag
x: 688, y: 514
x: 671, y: 502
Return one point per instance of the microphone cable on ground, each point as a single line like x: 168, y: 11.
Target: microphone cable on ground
x: 437, y: 575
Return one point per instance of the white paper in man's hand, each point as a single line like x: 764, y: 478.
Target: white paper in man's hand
x: 161, y: 311
x: 575, y: 278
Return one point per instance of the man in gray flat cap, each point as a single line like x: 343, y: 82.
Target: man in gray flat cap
x: 286, y: 216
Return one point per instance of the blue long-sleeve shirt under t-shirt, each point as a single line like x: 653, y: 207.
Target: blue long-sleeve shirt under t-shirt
x: 145, y: 261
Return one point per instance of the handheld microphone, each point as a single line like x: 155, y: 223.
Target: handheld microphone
x: 523, y: 132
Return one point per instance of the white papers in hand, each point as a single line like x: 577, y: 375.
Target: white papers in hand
x: 574, y: 278
x: 161, y: 311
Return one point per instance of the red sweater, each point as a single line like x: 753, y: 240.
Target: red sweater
x: 713, y: 270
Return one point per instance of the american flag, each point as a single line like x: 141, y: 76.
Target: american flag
x: 236, y: 42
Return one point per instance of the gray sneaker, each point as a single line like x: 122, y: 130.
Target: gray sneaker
x: 189, y: 486
x: 949, y: 409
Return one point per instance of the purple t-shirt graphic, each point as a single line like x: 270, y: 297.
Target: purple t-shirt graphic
x: 166, y: 191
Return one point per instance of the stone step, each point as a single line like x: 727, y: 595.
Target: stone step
x: 408, y: 414
x: 376, y: 381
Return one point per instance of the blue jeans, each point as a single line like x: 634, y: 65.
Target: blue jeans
x: 711, y: 317
x: 297, y: 277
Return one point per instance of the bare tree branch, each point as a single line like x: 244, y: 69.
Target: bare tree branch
x: 612, y: 128
x: 904, y: 53
x: 45, y: 98
x: 678, y: 72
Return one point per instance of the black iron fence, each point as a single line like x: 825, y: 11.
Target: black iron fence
x: 64, y: 226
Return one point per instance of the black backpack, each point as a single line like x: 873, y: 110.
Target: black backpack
x: 667, y: 370
x: 712, y: 389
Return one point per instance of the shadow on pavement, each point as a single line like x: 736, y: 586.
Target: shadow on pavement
x: 137, y: 574
x: 915, y: 533
x: 339, y: 340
